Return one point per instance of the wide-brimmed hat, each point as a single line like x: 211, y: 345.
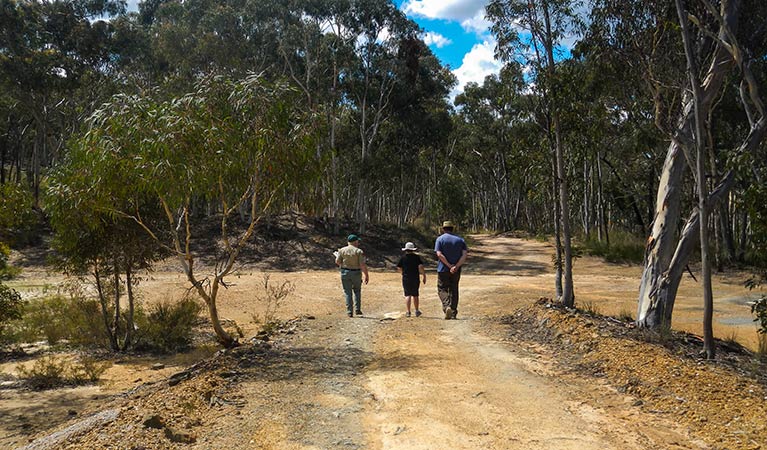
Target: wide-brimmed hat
x: 352, y: 238
x: 409, y: 246
x: 448, y: 224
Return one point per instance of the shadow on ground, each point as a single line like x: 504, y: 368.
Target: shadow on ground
x: 307, y: 362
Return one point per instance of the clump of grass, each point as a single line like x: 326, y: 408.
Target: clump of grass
x: 625, y: 316
x: 662, y: 335
x: 762, y: 346
x: 6, y: 271
x: 590, y: 308
x: 732, y: 339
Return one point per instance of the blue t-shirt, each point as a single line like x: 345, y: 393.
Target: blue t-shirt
x: 452, y: 247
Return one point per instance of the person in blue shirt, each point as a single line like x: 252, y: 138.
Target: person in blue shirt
x: 452, y: 252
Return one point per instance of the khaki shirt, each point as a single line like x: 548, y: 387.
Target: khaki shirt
x: 350, y: 257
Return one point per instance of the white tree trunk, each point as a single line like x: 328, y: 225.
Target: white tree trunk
x: 655, y: 302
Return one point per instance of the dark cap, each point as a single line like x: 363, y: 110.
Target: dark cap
x: 352, y: 238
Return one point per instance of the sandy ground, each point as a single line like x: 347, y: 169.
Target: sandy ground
x: 384, y: 381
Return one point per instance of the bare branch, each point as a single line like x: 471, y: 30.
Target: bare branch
x: 744, y: 101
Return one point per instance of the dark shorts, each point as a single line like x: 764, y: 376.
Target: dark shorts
x: 410, y: 286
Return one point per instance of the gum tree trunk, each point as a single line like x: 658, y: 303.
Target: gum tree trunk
x: 655, y: 303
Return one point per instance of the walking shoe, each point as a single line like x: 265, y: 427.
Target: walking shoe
x: 417, y: 313
x: 349, y: 314
x: 448, y: 313
x: 407, y: 314
x: 358, y: 312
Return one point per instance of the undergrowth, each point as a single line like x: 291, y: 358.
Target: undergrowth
x: 167, y: 326
x: 623, y: 248
x: 50, y: 372
x: 272, y: 297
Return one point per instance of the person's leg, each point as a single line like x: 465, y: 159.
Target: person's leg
x: 454, y: 280
x: 443, y: 289
x: 415, y: 305
x: 357, y: 288
x: 346, y: 282
x: 406, y: 295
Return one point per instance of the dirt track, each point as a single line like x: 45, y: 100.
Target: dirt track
x: 388, y: 382
x: 425, y: 383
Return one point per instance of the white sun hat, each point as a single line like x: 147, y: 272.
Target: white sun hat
x: 409, y: 246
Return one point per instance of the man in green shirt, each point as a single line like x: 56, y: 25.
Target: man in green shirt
x: 351, y: 260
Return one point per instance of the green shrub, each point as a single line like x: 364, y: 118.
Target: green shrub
x: 6, y: 272
x: 11, y: 309
x: 50, y: 372
x: 17, y: 216
x: 56, y: 318
x: 166, y: 327
x: 88, y: 370
x: 46, y: 373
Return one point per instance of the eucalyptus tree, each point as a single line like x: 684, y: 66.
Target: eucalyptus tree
x: 382, y: 31
x: 548, y: 22
x: 229, y: 143
x: 724, y: 40
x: 49, y: 51
x: 418, y: 128
x: 493, y: 120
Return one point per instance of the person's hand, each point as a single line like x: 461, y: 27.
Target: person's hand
x: 366, y: 279
x: 454, y: 269
x: 424, y: 279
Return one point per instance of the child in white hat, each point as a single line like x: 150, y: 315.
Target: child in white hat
x: 410, y: 265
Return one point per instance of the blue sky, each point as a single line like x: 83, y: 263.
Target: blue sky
x: 456, y: 31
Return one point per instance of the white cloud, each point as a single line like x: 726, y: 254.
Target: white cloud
x: 478, y: 24
x: 469, y: 13
x: 384, y: 35
x: 436, y: 39
x: 478, y: 63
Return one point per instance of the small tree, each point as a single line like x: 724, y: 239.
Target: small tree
x: 92, y: 244
x: 235, y: 147
x: 11, y: 306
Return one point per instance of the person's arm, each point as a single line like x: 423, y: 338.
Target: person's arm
x: 444, y: 260
x: 460, y: 262
x: 338, y: 258
x: 422, y: 272
x: 364, y: 268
